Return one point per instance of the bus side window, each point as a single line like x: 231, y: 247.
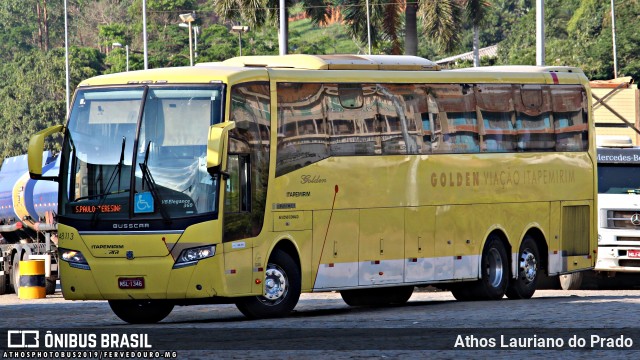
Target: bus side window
x: 570, y: 117
x: 497, y: 117
x: 534, y: 122
x: 456, y: 128
x: 238, y: 189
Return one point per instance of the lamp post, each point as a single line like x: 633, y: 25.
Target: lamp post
x: 196, y: 31
x: 239, y: 29
x: 368, y: 28
x: 126, y: 47
x: 66, y: 56
x: 144, y: 34
x: 189, y: 18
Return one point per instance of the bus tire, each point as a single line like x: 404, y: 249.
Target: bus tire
x: 571, y: 281
x: 461, y: 292
x: 356, y: 297
x: 524, y: 285
x: 398, y: 295
x: 50, y: 287
x: 141, y: 311
x: 494, y: 266
x: 282, y: 288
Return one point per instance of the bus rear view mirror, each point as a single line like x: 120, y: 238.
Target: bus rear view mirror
x: 217, y: 143
x: 36, y: 147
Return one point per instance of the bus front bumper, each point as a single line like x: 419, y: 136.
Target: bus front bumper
x: 141, y: 279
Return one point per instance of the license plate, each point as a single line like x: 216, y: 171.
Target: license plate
x: 633, y: 253
x: 131, y: 283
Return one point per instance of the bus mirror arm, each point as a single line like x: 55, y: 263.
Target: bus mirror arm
x: 214, y: 171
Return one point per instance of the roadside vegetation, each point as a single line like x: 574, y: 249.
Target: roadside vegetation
x: 32, y: 67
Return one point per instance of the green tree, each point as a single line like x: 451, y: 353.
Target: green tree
x: 579, y: 35
x: 385, y: 20
x: 33, y: 93
x: 476, y: 12
x: 258, y: 13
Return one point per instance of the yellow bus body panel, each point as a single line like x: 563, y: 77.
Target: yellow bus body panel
x: 418, y: 218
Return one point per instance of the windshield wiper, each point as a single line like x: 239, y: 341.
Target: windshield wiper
x: 112, y: 178
x: 148, y: 179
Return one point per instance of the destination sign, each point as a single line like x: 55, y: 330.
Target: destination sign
x: 91, y: 209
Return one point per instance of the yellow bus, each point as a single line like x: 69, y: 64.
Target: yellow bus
x: 255, y: 179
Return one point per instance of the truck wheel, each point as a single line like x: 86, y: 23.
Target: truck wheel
x: 141, y: 311
x: 4, y: 287
x: 526, y: 282
x: 15, y: 273
x: 571, y: 281
x: 282, y: 287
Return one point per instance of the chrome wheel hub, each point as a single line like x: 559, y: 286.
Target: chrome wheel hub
x: 275, y: 284
x: 529, y: 265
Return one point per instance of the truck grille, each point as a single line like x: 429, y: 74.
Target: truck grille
x: 617, y: 219
x: 629, y: 263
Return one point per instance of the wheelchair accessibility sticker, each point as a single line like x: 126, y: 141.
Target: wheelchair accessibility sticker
x: 143, y: 203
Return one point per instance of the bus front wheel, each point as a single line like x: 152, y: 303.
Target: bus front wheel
x: 282, y: 287
x: 141, y: 311
x: 525, y: 284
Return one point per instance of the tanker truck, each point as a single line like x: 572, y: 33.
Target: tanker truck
x: 27, y: 221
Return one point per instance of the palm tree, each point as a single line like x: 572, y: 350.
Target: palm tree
x: 385, y: 20
x: 256, y: 13
x: 440, y: 18
x: 476, y: 11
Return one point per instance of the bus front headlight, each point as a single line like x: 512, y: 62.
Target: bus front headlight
x: 193, y: 255
x: 74, y: 258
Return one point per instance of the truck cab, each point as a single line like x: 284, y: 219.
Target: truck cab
x: 618, y: 206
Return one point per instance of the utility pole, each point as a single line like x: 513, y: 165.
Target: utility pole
x: 540, y: 32
x: 613, y: 33
x: 283, y: 37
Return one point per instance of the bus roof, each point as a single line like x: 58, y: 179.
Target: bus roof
x: 260, y: 68
x: 523, y: 68
x: 174, y: 75
x: 335, y: 62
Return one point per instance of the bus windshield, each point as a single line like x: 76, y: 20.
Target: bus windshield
x: 140, y: 152
x: 618, y: 179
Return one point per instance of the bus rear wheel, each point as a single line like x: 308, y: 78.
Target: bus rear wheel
x: 141, y: 311
x: 525, y: 284
x: 494, y: 267
x: 377, y: 296
x: 282, y: 288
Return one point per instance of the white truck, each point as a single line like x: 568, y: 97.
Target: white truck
x: 618, y: 212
